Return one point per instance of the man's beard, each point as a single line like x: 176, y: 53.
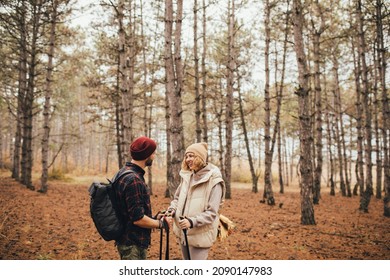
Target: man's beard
x: 149, y: 162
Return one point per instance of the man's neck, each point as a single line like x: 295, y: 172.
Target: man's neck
x: 140, y: 163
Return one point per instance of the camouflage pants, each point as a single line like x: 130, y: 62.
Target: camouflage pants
x: 132, y: 252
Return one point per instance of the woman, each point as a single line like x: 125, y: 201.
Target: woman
x: 196, y: 203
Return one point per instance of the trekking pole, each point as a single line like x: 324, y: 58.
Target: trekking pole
x: 166, y: 226
x: 161, y: 239
x: 161, y: 236
x: 186, y: 239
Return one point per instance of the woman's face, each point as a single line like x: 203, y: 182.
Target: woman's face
x: 189, y: 158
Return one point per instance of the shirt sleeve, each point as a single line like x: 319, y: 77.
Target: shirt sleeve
x: 135, y: 198
x: 209, y: 215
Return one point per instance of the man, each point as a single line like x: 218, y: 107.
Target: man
x: 134, y: 196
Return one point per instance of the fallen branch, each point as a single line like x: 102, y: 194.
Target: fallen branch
x: 55, y: 156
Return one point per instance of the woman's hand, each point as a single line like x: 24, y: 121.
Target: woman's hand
x: 184, y: 223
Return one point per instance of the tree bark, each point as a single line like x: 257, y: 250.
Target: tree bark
x: 385, y: 104
x: 329, y: 142
x: 118, y: 117
x: 366, y: 197
x: 219, y: 114
x: 1, y: 141
x: 254, y: 175
x: 281, y: 88
x: 378, y: 149
x: 268, y: 195
x: 174, y: 88
x: 204, y: 75
x: 123, y: 85
x: 277, y: 127
x: 339, y: 127
x: 48, y: 94
x: 229, y: 100
x: 318, y: 101
x: 27, y: 150
x: 147, y: 94
x: 305, y: 163
x: 359, y: 169
x: 198, y: 128
x: 342, y: 131
x: 22, y: 89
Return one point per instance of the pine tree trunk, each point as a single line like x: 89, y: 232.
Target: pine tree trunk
x: 145, y: 77
x: 280, y: 163
x: 9, y: 145
x: 198, y: 128
x: 204, y: 75
x: 219, y: 114
x: 378, y: 189
x: 280, y: 97
x: 254, y: 176
x: 286, y: 161
x: 318, y: 114
x: 22, y: 89
x: 329, y: 140
x: 277, y: 130
x: 170, y: 91
x: 292, y: 160
x: 147, y: 98
x: 47, y: 106
x: 2, y: 140
x: 27, y: 150
x: 27, y: 153
x: 366, y: 197
x: 229, y: 101
x: 305, y: 164
x: 174, y: 88
x: 359, y: 120
x: 169, y: 148
x: 342, y: 135
x: 339, y: 130
x: 123, y: 85
x: 131, y: 57
x: 268, y: 195
x: 385, y: 104
x: 118, y: 119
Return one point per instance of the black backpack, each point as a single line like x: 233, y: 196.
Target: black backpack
x: 105, y: 209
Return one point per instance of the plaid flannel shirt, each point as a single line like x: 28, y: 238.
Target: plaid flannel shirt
x: 134, y: 195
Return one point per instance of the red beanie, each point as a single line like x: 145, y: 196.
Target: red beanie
x: 142, y: 148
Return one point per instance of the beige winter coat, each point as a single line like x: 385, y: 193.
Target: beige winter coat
x: 198, y: 197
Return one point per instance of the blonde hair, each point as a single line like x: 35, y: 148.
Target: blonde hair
x: 198, y: 164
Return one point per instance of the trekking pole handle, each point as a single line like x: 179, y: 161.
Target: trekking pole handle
x: 186, y: 238
x: 182, y: 218
x: 170, y: 213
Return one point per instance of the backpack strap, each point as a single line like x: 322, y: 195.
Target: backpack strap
x: 118, y: 176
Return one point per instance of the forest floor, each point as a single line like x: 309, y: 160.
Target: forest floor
x: 57, y: 226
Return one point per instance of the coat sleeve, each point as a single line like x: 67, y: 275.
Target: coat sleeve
x: 210, y: 214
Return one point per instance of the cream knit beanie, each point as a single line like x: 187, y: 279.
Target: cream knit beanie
x: 199, y: 149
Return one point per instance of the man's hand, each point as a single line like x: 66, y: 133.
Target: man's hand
x: 169, y: 220
x: 160, y: 215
